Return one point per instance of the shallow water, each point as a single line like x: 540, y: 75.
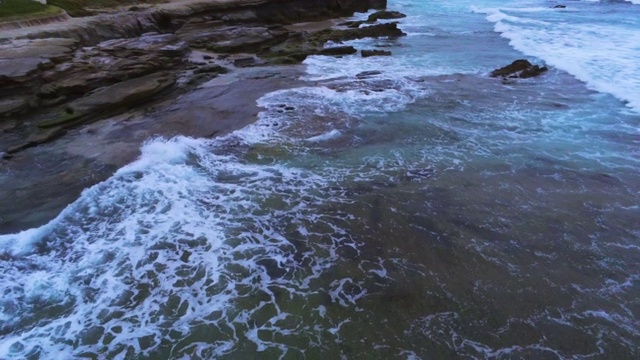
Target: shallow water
x: 427, y: 211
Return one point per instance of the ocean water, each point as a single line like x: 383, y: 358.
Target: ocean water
x: 422, y: 211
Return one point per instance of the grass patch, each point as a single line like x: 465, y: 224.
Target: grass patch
x: 11, y: 10
x: 77, y: 8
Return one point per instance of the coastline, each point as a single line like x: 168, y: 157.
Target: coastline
x: 421, y: 202
x: 45, y: 169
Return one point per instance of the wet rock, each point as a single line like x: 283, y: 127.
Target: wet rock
x: 118, y: 96
x: 13, y: 105
x: 338, y: 50
x: 111, y: 62
x: 21, y: 61
x: 231, y: 39
x: 373, y: 31
x: 92, y: 335
x: 287, y: 60
x: 385, y: 15
x: 273, y: 268
x: 18, y: 69
x: 368, y: 53
x: 160, y: 44
x: 368, y: 74
x: 38, y: 137
x: 352, y: 24
x: 519, y: 69
x: 300, y: 45
x: 247, y: 62
x: 211, y: 69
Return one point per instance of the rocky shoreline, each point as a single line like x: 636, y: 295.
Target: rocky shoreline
x: 77, y: 101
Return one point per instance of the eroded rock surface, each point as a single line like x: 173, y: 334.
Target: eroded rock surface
x: 101, y: 87
x: 385, y: 15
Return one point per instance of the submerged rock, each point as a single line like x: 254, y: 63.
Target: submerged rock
x: 368, y: 74
x: 522, y: 69
x: 368, y: 53
x: 338, y: 50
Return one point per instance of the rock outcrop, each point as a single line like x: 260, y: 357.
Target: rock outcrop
x: 49, y: 19
x: 53, y: 79
x: 109, y: 82
x: 47, y: 72
x: 385, y: 15
x: 369, y: 53
x: 119, y: 96
x: 522, y: 69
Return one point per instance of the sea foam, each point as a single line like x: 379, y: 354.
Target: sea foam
x: 602, y: 53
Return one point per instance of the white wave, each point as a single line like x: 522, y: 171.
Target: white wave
x: 171, y: 242
x: 603, y: 55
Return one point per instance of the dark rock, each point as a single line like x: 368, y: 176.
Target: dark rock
x: 92, y: 335
x: 374, y: 31
x: 211, y: 69
x: 118, y: 96
x: 247, y: 62
x: 13, y: 105
x: 111, y: 62
x: 560, y: 6
x: 368, y: 53
x: 300, y: 45
x: 338, y: 50
x: 161, y: 44
x: 519, y: 69
x: 286, y: 60
x: 367, y: 74
x: 39, y: 137
x: 352, y: 24
x: 385, y: 15
x: 232, y: 39
x: 69, y: 61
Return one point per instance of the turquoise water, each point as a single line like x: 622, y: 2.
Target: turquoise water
x: 427, y: 211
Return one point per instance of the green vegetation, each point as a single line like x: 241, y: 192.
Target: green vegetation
x: 78, y: 8
x: 24, y: 9
x: 74, y: 8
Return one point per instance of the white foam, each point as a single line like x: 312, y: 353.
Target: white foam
x: 603, y: 54
x: 326, y: 136
x: 181, y: 225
